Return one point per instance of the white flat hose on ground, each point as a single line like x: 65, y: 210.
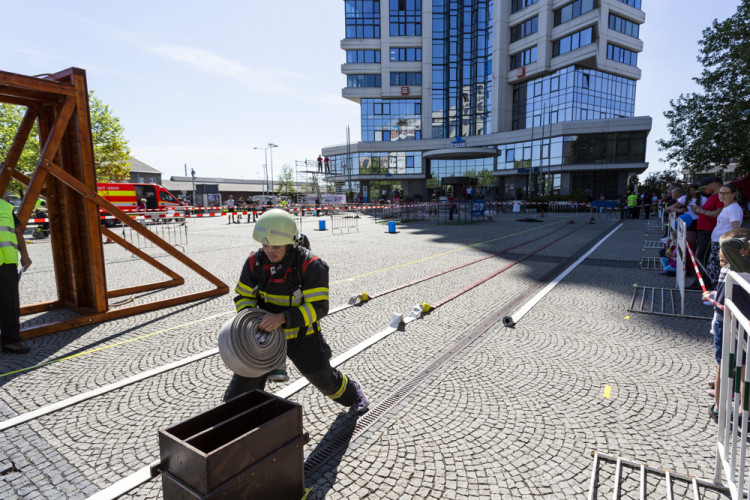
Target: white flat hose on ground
x: 514, y: 318
x: 247, y: 351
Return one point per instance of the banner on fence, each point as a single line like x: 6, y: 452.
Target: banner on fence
x: 477, y: 208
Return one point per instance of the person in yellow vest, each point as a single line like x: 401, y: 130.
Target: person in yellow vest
x: 11, y: 243
x: 633, y: 205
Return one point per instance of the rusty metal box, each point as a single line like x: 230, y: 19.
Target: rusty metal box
x: 210, y: 449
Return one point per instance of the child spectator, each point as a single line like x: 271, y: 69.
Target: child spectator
x: 734, y: 255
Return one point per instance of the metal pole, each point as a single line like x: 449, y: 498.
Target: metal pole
x: 270, y: 147
x: 192, y: 173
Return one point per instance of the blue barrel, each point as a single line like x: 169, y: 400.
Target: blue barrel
x: 322, y: 224
x: 392, y: 226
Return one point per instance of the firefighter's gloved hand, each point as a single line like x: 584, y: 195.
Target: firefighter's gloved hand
x: 271, y: 322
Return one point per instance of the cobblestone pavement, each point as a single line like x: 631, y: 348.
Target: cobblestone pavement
x: 516, y: 414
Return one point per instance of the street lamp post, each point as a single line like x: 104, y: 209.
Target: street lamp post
x: 266, y: 165
x: 270, y: 147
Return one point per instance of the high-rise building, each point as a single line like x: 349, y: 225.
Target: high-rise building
x: 514, y: 98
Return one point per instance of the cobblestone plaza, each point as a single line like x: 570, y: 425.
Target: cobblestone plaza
x: 515, y: 413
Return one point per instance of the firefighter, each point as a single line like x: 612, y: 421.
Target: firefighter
x: 289, y: 282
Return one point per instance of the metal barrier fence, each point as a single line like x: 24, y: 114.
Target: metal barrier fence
x: 344, y: 220
x: 173, y: 230
x: 734, y: 387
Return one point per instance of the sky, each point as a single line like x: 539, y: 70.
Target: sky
x: 201, y: 84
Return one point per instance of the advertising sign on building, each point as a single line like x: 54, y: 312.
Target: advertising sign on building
x: 521, y: 72
x: 404, y: 90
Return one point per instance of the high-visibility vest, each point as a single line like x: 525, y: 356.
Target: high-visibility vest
x: 8, y: 239
x: 632, y: 200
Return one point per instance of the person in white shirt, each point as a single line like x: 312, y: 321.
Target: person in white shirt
x: 729, y: 218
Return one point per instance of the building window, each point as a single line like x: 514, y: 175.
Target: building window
x: 517, y: 5
x: 573, y: 10
x: 381, y: 163
x: 623, y: 26
x: 363, y: 80
x: 572, y: 94
x: 406, y: 79
x: 633, y: 3
x: 391, y: 119
x: 406, y: 54
x: 363, y: 56
x: 573, y: 42
x: 362, y: 18
x: 462, y: 34
x: 524, y: 29
x: 624, y: 56
x: 523, y: 58
x: 405, y: 18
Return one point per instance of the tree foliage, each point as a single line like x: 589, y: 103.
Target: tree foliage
x: 111, y: 151
x: 285, y: 185
x: 657, y: 182
x: 712, y: 128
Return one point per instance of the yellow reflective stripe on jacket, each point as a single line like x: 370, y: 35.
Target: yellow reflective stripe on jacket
x: 308, y: 313
x: 315, y: 294
x: 280, y: 300
x: 243, y: 303
x: 340, y: 392
x: 291, y: 333
x: 244, y: 290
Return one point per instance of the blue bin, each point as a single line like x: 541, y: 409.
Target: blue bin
x: 392, y: 227
x: 322, y: 225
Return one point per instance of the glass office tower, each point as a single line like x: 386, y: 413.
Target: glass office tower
x: 515, y: 98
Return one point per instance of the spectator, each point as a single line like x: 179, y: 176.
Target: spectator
x: 327, y: 162
x: 733, y: 256
x: 728, y: 218
x: 320, y: 163
x: 709, y: 187
x: 230, y: 209
x: 686, y: 204
x: 142, y: 205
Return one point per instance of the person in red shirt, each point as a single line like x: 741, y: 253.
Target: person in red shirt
x: 708, y: 186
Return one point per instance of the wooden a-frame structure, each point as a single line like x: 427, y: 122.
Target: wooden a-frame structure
x: 65, y: 175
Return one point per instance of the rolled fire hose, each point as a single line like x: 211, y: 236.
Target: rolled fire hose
x: 247, y: 351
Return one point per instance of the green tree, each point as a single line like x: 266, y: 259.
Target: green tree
x: 111, y: 151
x: 712, y: 128
x: 657, y: 182
x: 285, y: 185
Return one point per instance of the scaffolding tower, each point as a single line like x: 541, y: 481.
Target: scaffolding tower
x: 316, y: 179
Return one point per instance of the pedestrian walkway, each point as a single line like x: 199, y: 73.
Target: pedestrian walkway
x: 490, y: 411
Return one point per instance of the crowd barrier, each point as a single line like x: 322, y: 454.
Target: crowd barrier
x: 344, y: 220
x: 174, y: 232
x: 734, y: 394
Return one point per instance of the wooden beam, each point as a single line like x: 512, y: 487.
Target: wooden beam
x: 51, y: 145
x: 40, y: 307
x: 30, y: 82
x: 36, y: 331
x: 140, y: 253
x: 9, y: 165
x: 144, y: 288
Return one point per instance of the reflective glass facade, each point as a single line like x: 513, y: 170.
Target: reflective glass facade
x: 406, y: 54
x: 524, y: 29
x: 363, y: 80
x: 572, y: 94
x: 572, y: 42
x: 633, y: 3
x: 623, y: 26
x: 622, y: 147
x: 480, y: 168
x: 381, y: 163
x: 391, y: 119
x: 624, y: 56
x: 461, y: 67
x: 362, y: 18
x: 517, y: 5
x: 528, y: 56
x: 363, y: 56
x: 573, y: 10
x: 405, y: 18
x: 406, y: 79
